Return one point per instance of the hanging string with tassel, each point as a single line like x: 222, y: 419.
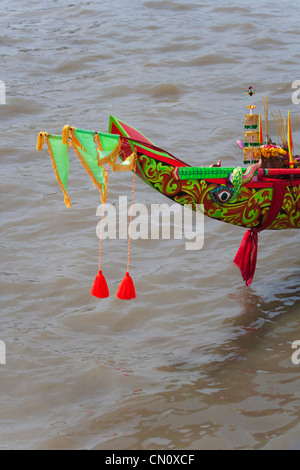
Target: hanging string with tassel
x: 100, y: 288
x: 126, y: 290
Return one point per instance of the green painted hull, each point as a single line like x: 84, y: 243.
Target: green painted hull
x: 250, y: 209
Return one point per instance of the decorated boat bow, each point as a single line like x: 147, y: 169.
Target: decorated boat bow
x: 265, y: 195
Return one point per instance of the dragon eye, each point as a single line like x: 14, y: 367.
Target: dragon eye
x: 224, y: 196
x: 221, y: 195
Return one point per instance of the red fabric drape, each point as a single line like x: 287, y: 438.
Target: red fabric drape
x: 246, y: 256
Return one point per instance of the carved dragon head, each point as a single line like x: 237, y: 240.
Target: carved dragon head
x: 236, y: 180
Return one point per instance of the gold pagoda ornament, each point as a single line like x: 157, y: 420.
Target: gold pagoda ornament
x: 253, y: 133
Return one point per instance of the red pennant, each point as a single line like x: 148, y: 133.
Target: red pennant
x: 126, y: 290
x: 99, y: 288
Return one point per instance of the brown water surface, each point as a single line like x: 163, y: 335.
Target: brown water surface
x: 197, y: 361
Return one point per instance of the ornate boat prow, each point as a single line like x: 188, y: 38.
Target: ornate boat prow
x: 264, y: 195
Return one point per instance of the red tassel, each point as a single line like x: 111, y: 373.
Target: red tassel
x: 126, y: 289
x: 100, y: 288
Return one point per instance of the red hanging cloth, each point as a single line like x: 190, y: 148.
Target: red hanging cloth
x: 246, y: 256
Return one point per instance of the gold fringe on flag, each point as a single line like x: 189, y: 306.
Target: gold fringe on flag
x: 66, y: 134
x: 40, y: 141
x: 111, y: 158
x: 98, y: 146
x: 77, y: 145
x: 127, y: 165
x: 67, y: 199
